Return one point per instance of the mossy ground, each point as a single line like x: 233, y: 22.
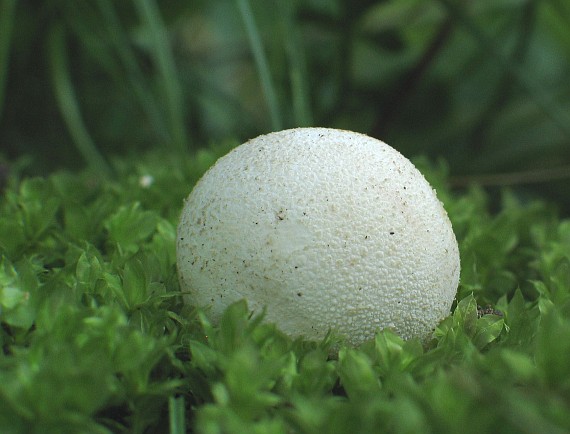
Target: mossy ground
x: 95, y: 336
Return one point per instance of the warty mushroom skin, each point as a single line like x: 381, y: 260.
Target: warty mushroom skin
x: 326, y: 229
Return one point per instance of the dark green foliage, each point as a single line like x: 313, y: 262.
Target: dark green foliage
x: 95, y: 336
x: 483, y: 84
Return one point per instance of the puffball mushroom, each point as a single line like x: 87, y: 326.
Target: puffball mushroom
x: 325, y: 229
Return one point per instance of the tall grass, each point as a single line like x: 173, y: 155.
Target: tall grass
x: 261, y: 63
x: 296, y: 56
x: 543, y: 98
x: 7, y: 9
x: 481, y: 84
x: 68, y: 103
x: 168, y: 82
x: 134, y: 75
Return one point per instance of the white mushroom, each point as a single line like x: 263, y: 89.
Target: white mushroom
x: 326, y: 229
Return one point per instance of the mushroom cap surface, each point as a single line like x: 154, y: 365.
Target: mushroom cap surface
x: 326, y: 229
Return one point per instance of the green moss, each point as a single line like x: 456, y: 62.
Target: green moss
x: 96, y: 338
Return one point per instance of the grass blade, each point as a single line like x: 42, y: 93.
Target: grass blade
x: 297, y: 67
x: 7, y: 12
x: 149, y: 14
x: 176, y: 415
x: 261, y: 63
x: 68, y: 104
x: 134, y: 74
x: 548, y: 104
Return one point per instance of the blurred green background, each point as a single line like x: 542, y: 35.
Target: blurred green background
x: 479, y: 85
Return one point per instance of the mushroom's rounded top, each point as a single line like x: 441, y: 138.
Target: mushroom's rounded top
x: 326, y: 229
